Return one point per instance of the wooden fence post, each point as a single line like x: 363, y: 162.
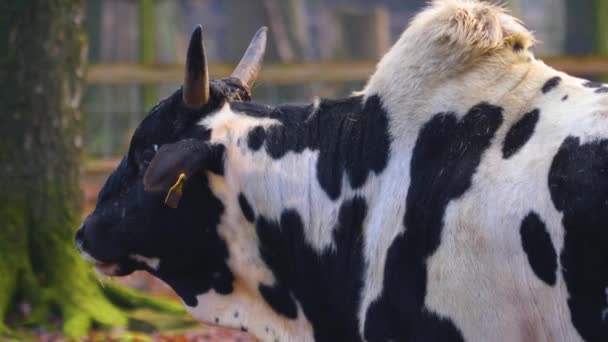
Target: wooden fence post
x: 147, y: 49
x: 580, y: 30
x: 601, y: 20
x: 364, y: 34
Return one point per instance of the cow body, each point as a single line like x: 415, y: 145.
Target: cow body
x: 462, y: 196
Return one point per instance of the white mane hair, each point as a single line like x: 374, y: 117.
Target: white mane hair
x: 447, y: 40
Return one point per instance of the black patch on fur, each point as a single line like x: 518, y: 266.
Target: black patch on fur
x: 352, y: 137
x: 592, y: 84
x: 326, y: 285
x: 216, y: 161
x: 200, y: 247
x: 578, y: 181
x: 279, y: 298
x: 602, y: 90
x: 539, y: 248
x: 246, y: 208
x: 551, y: 84
x: 256, y: 137
x: 445, y: 158
x: 565, y: 98
x: 519, y: 134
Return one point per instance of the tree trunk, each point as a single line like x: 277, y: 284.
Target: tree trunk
x: 601, y: 19
x: 41, y: 273
x: 580, y: 27
x: 364, y: 33
x: 147, y: 51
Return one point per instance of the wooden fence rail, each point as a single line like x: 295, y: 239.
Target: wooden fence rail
x: 294, y: 73
x: 291, y: 73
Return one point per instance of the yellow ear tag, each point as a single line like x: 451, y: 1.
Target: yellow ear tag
x: 175, y: 193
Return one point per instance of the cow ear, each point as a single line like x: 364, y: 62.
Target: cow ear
x: 175, y: 163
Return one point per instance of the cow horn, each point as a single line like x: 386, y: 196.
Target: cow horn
x: 249, y: 67
x: 196, y: 78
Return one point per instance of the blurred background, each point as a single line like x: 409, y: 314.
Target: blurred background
x: 134, y: 58
x: 316, y: 47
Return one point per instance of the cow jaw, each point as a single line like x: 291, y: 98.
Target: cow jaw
x: 126, y: 266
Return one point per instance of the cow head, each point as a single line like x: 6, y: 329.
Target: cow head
x: 156, y: 211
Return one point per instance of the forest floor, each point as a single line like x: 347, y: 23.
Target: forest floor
x: 144, y: 325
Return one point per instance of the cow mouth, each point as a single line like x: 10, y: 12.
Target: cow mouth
x: 115, y: 268
x: 107, y: 268
x: 111, y: 267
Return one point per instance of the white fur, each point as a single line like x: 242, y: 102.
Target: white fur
x: 454, y: 55
x: 270, y: 186
x: 480, y: 277
x: 242, y: 309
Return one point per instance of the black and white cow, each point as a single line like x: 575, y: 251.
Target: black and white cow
x: 461, y: 196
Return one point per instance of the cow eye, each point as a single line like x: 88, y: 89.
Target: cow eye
x: 147, y: 155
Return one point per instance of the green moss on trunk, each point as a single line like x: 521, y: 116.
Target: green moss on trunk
x: 13, y: 247
x: 41, y: 273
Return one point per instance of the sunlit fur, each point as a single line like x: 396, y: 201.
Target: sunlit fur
x: 454, y: 55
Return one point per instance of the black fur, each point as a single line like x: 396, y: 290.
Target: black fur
x: 188, y: 241
x: 578, y: 181
x: 519, y: 134
x: 551, y: 84
x: 591, y: 84
x: 246, y: 208
x: 351, y: 136
x: 539, y: 248
x: 326, y: 285
x: 255, y: 138
x: 280, y: 299
x: 602, y: 90
x: 445, y: 158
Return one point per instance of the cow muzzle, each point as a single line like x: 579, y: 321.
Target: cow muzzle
x: 107, y: 266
